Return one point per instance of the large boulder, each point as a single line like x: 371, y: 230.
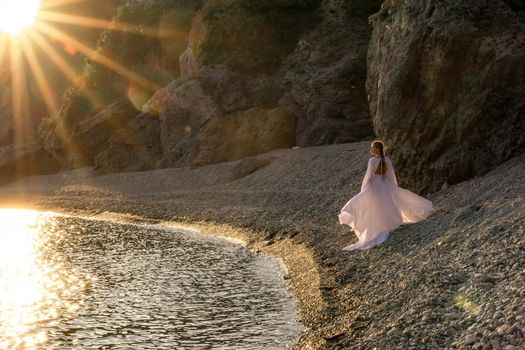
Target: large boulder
x: 245, y: 133
x: 217, y: 115
x: 134, y: 147
x: 446, y: 84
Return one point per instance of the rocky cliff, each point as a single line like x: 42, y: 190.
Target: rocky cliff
x: 217, y: 80
x: 20, y: 152
x: 132, y: 60
x: 446, y: 85
x: 246, y: 77
x: 53, y: 73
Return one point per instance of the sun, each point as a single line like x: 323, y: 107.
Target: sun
x: 31, y: 39
x: 17, y: 15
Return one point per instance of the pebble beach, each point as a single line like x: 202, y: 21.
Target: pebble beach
x: 454, y: 281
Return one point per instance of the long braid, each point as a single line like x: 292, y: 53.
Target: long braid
x: 382, y: 153
x: 381, y: 147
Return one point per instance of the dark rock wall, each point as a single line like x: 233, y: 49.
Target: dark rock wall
x: 214, y: 117
x: 325, y: 74
x: 446, y: 87
x: 250, y: 36
x: 298, y: 64
x: 215, y: 80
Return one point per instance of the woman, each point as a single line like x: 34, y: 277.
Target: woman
x: 381, y: 206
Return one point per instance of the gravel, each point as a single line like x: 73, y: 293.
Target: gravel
x: 454, y: 281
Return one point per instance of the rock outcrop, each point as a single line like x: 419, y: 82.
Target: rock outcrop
x: 250, y: 36
x: 35, y: 105
x: 446, y: 85
x: 25, y: 160
x: 134, y: 147
x: 236, y: 67
x: 126, y: 69
x: 77, y: 145
x: 218, y: 116
x: 245, y: 133
x: 324, y: 76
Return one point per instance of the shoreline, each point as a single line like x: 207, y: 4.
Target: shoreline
x: 297, y: 262
x: 411, y: 292
x: 274, y: 233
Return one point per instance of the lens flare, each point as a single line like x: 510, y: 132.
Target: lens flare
x: 17, y: 15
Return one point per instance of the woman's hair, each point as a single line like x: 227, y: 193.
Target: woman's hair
x: 380, y: 146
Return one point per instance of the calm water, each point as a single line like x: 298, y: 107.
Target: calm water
x: 72, y: 283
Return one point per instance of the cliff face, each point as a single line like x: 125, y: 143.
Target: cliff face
x: 323, y: 78
x: 250, y: 36
x: 122, y: 73
x: 20, y: 149
x: 199, y: 82
x: 446, y: 85
x: 246, y: 77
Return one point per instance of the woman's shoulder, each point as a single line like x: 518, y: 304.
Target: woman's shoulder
x: 377, y: 159
x: 373, y: 160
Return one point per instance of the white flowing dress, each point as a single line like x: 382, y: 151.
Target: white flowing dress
x: 380, y: 207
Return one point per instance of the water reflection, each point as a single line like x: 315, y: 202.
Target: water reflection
x: 70, y: 283
x: 33, y: 289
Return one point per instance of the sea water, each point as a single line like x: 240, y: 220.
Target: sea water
x: 77, y: 283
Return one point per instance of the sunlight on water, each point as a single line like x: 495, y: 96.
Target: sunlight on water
x: 31, y: 291
x: 75, y: 283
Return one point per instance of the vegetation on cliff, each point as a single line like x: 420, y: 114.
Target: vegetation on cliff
x: 136, y: 56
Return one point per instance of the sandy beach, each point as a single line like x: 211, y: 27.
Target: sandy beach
x: 453, y: 281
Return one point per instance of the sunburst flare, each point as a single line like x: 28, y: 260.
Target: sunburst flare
x: 30, y: 33
x: 15, y: 16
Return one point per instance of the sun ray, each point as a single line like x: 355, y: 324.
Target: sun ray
x: 60, y: 62
x: 18, y: 89
x: 3, y: 47
x: 85, y: 21
x: 4, y: 71
x: 56, y: 3
x: 21, y: 52
x: 98, y: 57
x: 24, y: 133
x: 43, y: 86
x: 37, y: 38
